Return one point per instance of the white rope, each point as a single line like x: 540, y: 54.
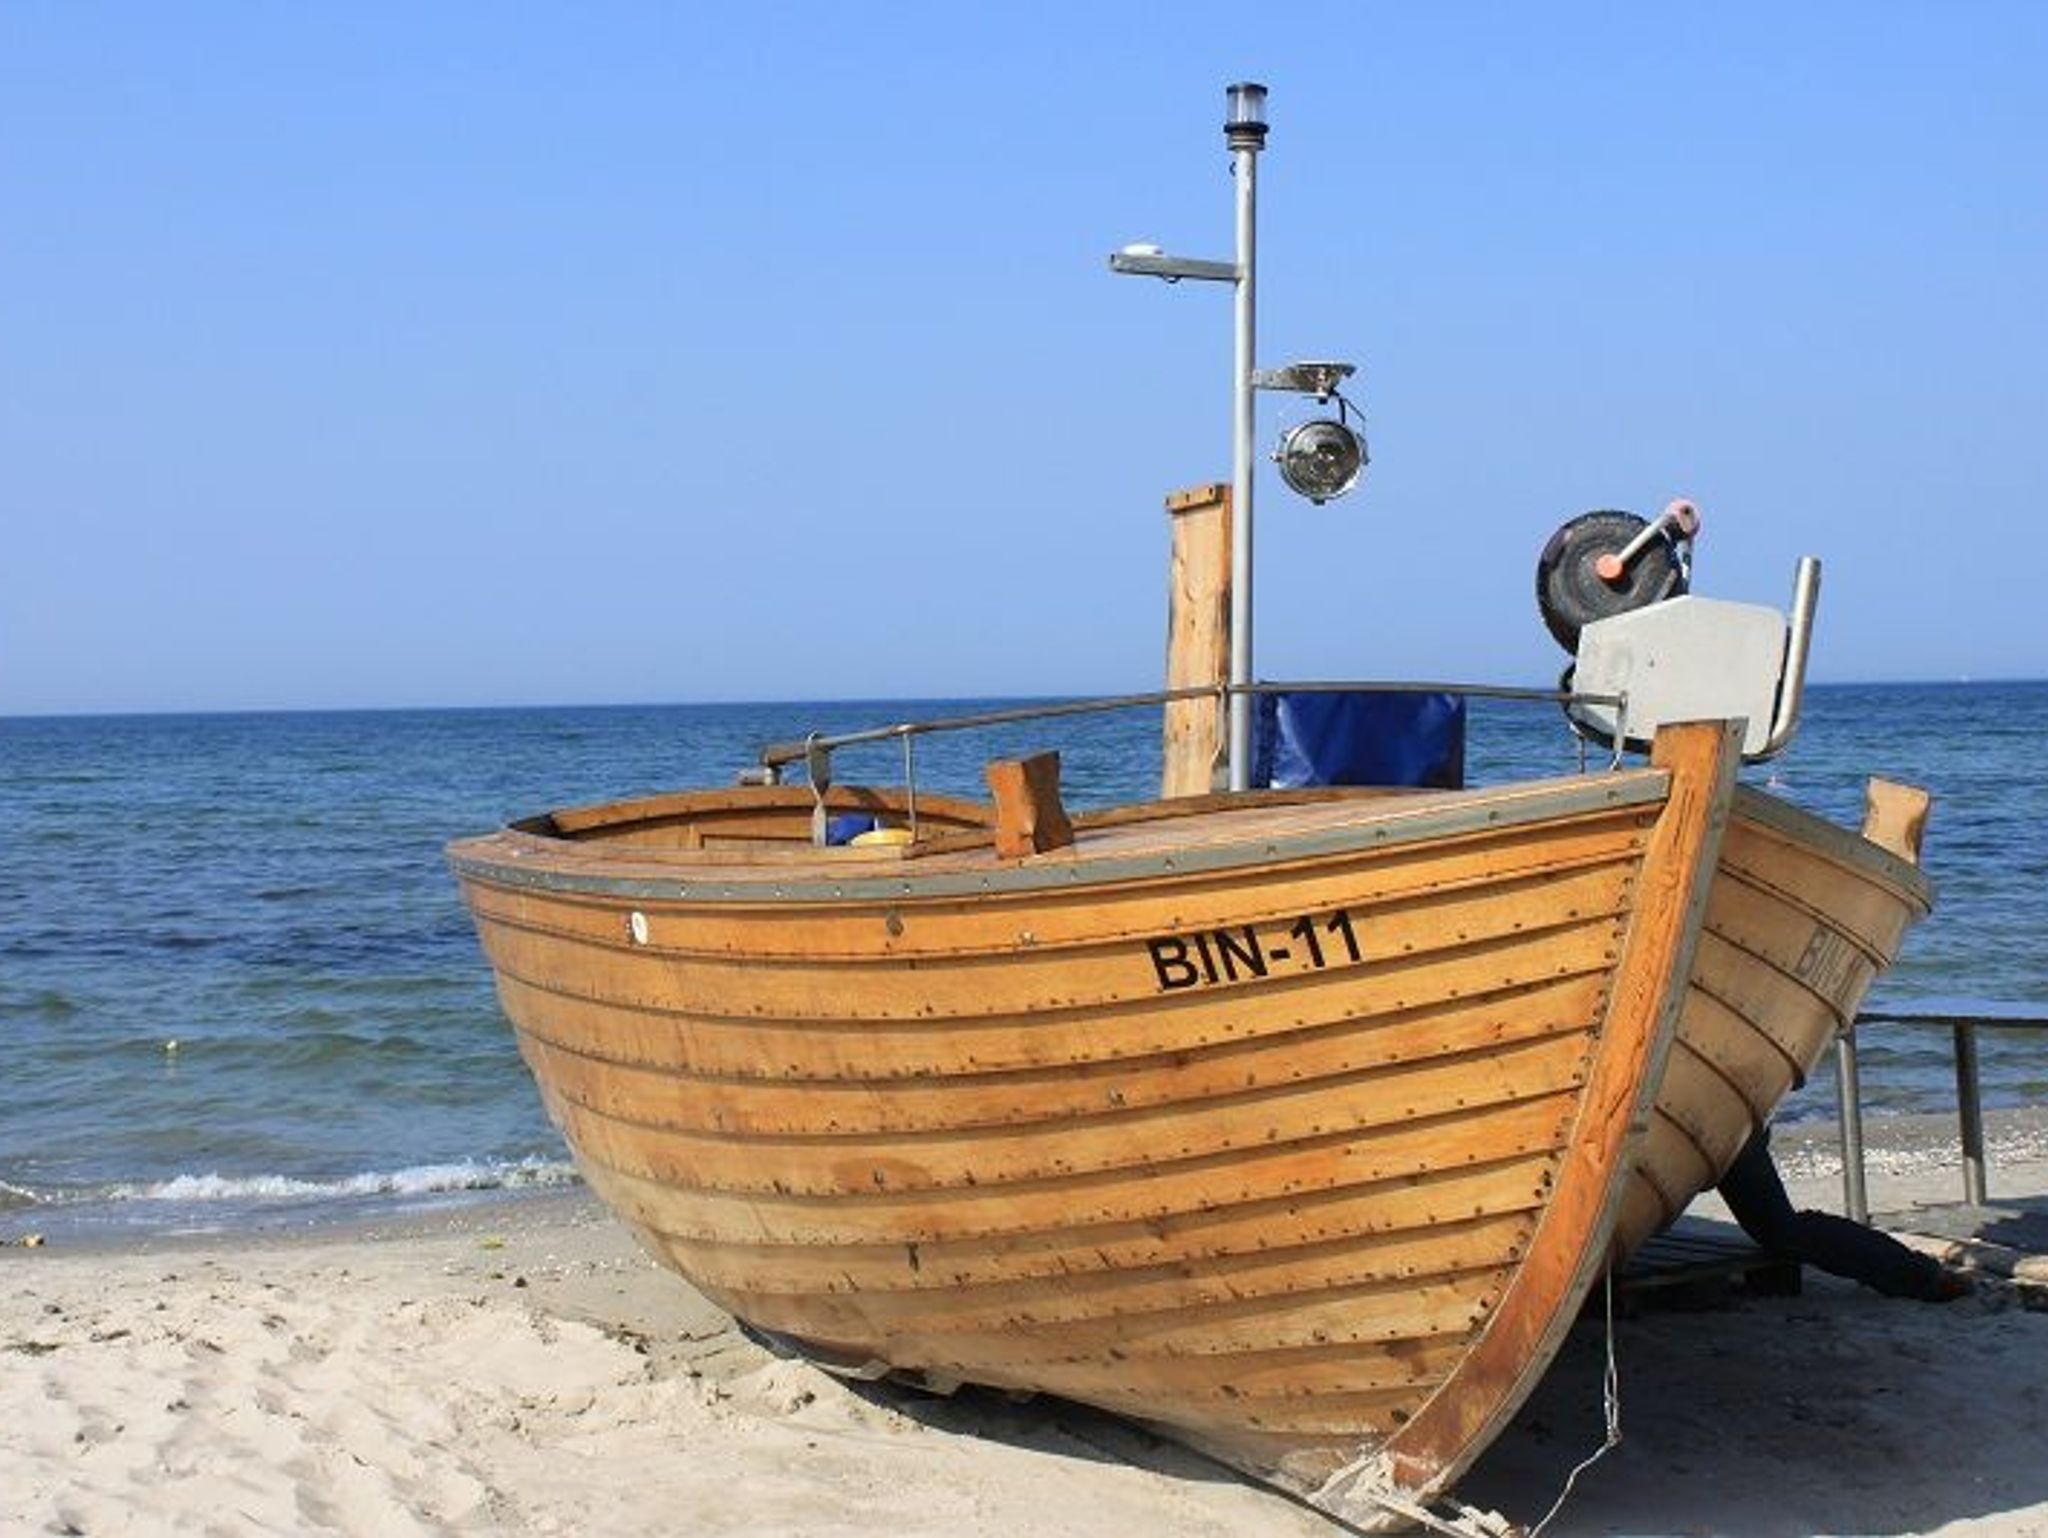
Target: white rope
x: 1370, y: 1478
x: 1610, y: 1398
x: 1369, y: 1475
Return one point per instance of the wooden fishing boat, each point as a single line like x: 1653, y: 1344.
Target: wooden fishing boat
x: 1298, y: 1124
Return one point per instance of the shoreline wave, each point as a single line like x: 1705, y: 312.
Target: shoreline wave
x: 234, y: 1199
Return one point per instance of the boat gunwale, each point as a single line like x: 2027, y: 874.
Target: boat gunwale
x: 517, y: 858
x: 1831, y: 841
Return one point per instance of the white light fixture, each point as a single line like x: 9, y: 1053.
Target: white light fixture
x: 1247, y: 120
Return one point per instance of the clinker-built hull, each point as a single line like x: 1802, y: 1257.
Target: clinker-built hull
x: 1298, y: 1125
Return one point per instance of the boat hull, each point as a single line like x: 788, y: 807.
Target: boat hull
x: 1801, y: 919
x: 1298, y: 1129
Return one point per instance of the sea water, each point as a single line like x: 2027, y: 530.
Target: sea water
x: 238, y: 986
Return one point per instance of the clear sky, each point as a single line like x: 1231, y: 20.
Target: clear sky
x: 493, y: 353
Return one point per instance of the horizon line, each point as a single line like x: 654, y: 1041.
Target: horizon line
x: 172, y: 712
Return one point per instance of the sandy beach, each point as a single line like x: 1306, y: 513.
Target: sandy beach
x: 521, y: 1368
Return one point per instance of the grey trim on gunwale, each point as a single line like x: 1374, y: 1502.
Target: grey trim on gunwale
x: 1837, y: 843
x: 1482, y: 813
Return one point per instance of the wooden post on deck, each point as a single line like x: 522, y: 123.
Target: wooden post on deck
x: 1197, y: 637
x: 1895, y: 817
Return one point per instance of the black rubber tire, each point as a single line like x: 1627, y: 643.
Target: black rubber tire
x: 1570, y: 594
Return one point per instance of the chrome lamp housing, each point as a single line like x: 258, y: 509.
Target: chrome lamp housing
x: 1321, y: 459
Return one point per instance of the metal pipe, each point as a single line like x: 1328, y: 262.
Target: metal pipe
x: 1969, y: 1078
x: 776, y: 754
x: 1849, y: 1099
x: 1970, y: 1110
x: 1792, y: 689
x: 1681, y: 517
x: 1245, y: 161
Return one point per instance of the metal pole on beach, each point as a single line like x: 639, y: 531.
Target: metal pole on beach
x: 1245, y: 132
x: 1849, y: 1107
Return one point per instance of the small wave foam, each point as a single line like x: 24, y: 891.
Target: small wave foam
x: 419, y: 1180
x: 13, y: 1196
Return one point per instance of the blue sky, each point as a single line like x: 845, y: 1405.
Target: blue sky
x: 490, y: 353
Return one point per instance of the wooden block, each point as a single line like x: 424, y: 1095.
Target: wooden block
x: 1895, y: 817
x: 1029, y: 816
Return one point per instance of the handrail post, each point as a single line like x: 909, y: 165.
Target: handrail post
x: 1970, y: 1111
x: 1849, y: 1100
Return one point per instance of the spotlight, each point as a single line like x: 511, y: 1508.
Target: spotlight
x: 1321, y: 459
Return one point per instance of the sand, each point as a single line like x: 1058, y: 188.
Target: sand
x: 521, y: 1368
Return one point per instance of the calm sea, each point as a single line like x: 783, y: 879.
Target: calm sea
x: 237, y: 985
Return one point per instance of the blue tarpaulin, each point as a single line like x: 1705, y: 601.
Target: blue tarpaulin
x: 1360, y: 737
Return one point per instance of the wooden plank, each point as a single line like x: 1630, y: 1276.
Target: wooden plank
x: 1217, y: 1245
x: 1147, y: 954
x: 1353, y: 1052
x: 1857, y: 899
x: 1029, y: 816
x: 1351, y: 1417
x: 1025, y: 1213
x: 1366, y: 1315
x: 1791, y: 1013
x: 1712, y: 1113
x: 1372, y: 1008
x: 1814, y: 942
x: 1751, y: 1061
x: 1694, y: 1251
x: 1459, y: 1092
x: 893, y: 1298
x: 1499, y: 974
x: 1197, y: 637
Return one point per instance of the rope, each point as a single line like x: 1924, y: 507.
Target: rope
x: 1370, y: 1479
x: 1610, y: 1400
x: 1368, y: 1472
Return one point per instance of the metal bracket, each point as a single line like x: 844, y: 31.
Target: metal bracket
x: 1172, y: 268
x: 1317, y: 378
x: 818, y: 766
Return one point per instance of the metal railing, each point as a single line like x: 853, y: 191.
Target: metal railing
x: 1969, y: 1093
x: 777, y: 756
x: 780, y: 754
x: 815, y: 751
